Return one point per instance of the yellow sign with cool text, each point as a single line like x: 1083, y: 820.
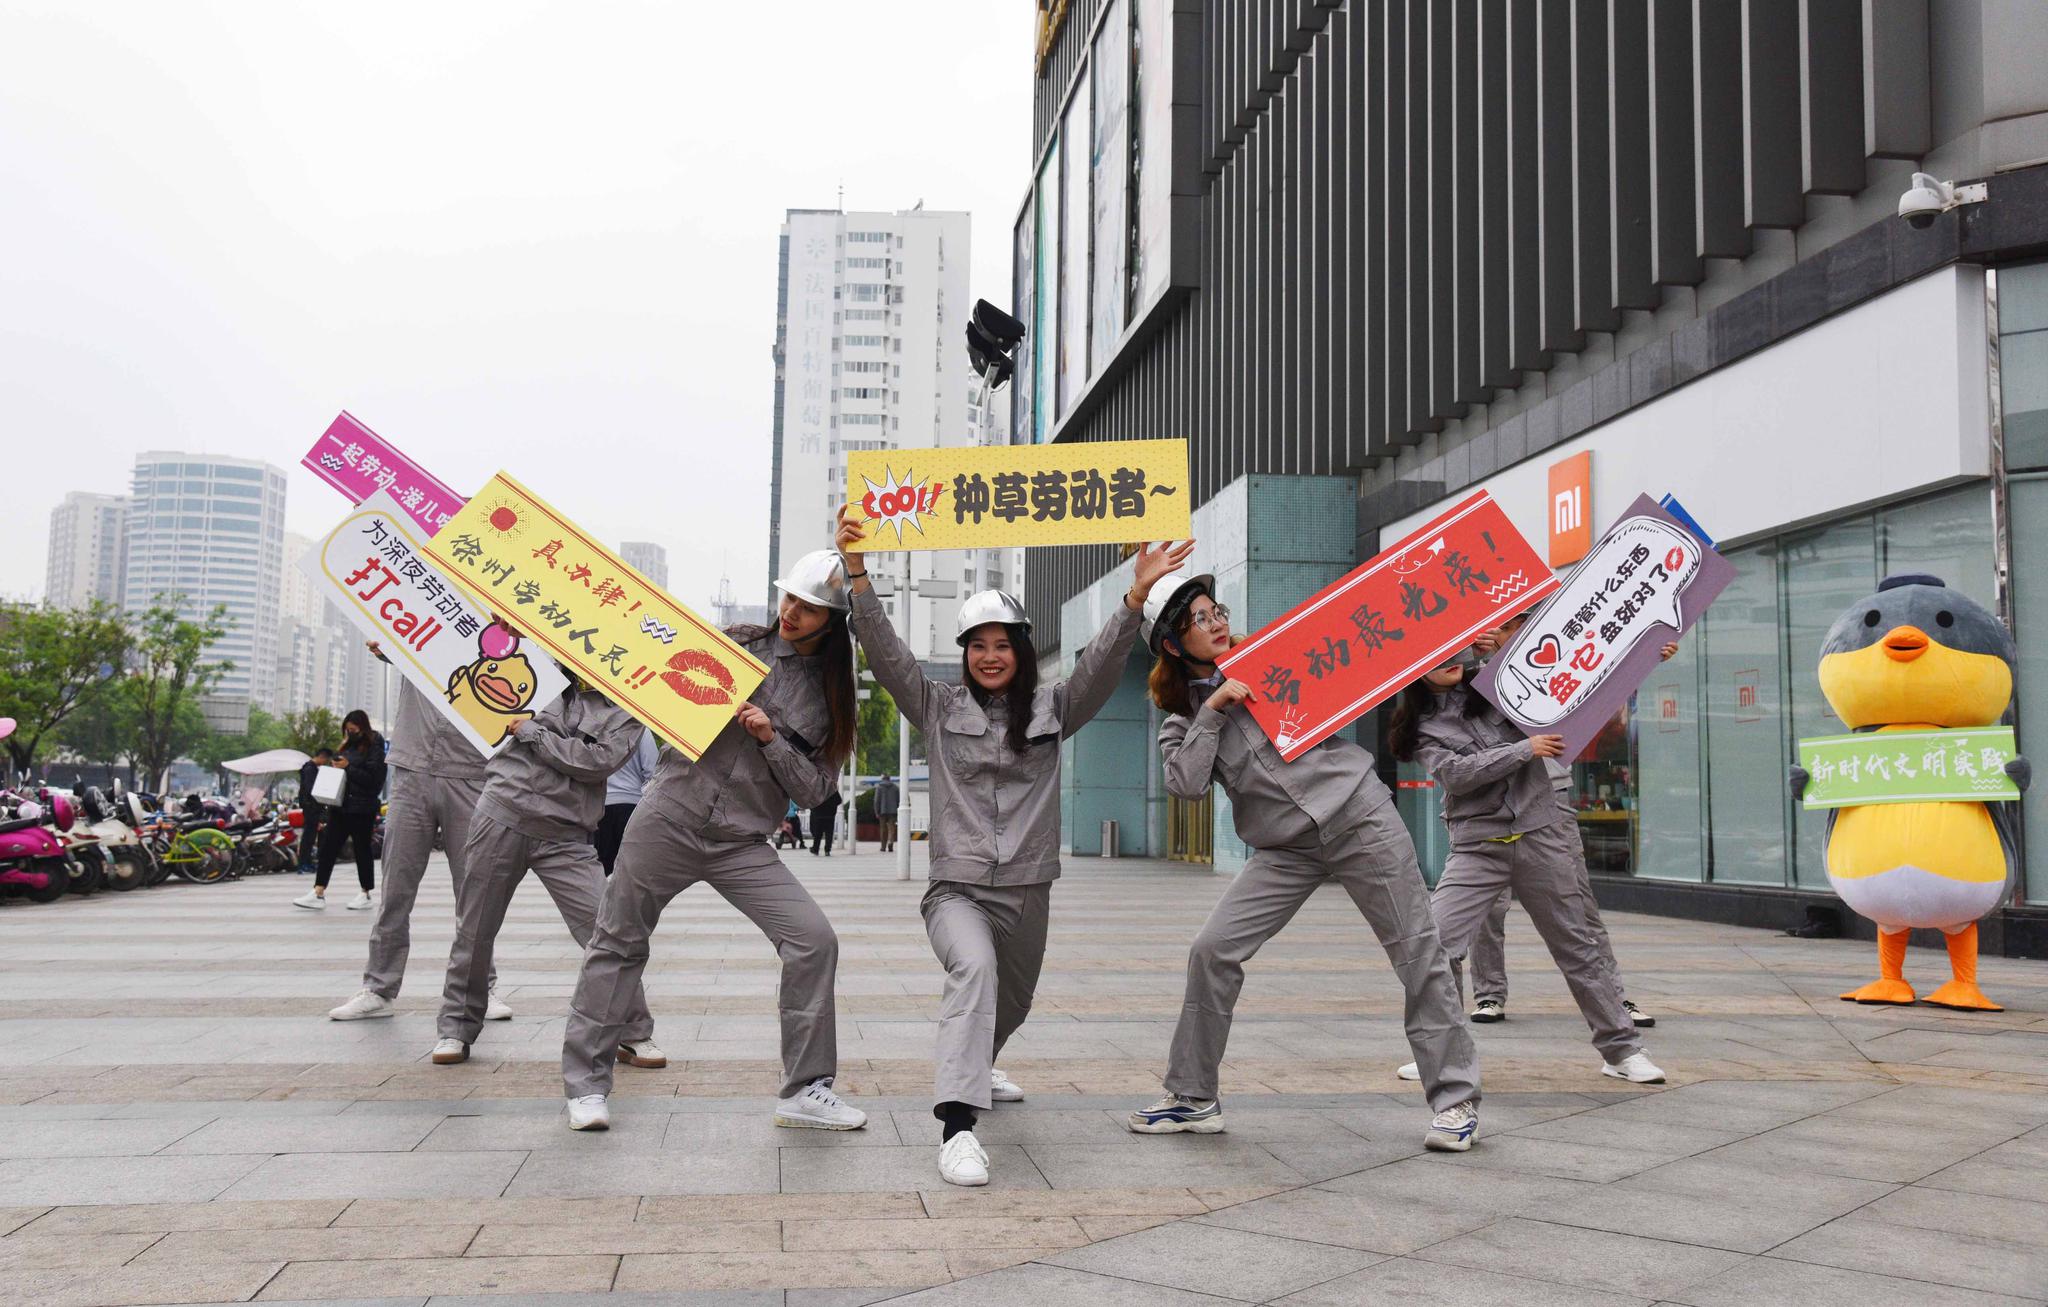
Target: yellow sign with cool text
x: 679, y: 675
x: 1000, y: 496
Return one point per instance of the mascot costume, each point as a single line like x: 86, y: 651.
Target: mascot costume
x: 1912, y: 656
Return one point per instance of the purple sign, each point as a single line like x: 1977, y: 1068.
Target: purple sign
x: 1579, y: 657
x: 358, y: 462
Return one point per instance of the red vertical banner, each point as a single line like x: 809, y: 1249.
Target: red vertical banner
x: 1354, y: 644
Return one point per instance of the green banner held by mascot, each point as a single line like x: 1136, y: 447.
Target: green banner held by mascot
x: 1912, y: 656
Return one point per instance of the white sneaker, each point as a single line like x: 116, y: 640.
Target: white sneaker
x: 1002, y: 1089
x: 962, y: 1160
x: 1453, y: 1129
x: 497, y: 1009
x: 819, y: 1108
x: 1408, y: 1071
x: 362, y: 1007
x: 315, y: 901
x: 643, y: 1053
x: 1636, y: 1068
x: 450, y: 1051
x: 589, y: 1113
x: 361, y: 901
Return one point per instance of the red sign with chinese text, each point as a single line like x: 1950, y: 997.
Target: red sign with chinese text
x: 1356, y: 643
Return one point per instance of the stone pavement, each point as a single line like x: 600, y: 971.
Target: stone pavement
x: 182, y: 1125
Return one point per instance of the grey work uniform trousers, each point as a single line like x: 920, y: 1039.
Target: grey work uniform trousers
x: 422, y: 805
x: 1489, y: 961
x: 1546, y: 868
x: 1375, y: 864
x: 657, y: 861
x: 499, y: 858
x: 991, y: 940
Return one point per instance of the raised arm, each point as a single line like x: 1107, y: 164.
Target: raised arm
x: 587, y: 756
x: 1101, y: 664
x: 894, y: 666
x: 1461, y: 773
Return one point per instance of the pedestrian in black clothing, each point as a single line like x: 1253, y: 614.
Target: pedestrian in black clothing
x: 823, y: 818
x: 311, y: 811
x: 362, y: 756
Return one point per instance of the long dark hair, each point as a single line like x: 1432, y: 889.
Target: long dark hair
x: 841, y: 702
x: 1022, y: 689
x: 1418, y: 701
x: 364, y: 737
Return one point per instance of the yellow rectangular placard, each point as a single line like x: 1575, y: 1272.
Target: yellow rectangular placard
x: 995, y: 496
x: 542, y: 573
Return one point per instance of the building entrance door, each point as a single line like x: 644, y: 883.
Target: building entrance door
x: 1191, y: 829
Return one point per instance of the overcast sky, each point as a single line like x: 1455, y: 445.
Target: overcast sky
x: 538, y: 236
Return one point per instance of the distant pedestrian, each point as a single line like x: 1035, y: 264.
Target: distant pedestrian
x: 311, y: 810
x: 888, y: 800
x: 791, y: 833
x: 824, y: 818
x: 362, y: 759
x: 622, y: 795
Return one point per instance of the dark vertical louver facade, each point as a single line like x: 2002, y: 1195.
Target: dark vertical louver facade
x: 1419, y: 220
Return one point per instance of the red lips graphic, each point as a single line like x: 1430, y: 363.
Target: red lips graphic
x: 1546, y: 653
x: 720, y: 683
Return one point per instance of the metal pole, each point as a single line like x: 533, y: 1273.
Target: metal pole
x: 903, y: 750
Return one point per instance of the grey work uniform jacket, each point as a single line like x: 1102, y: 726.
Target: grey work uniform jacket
x: 424, y: 740
x: 1492, y: 781
x: 739, y: 790
x: 995, y: 811
x: 1275, y: 804
x: 548, y: 784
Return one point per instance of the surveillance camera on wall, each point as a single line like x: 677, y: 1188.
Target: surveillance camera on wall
x: 1929, y: 197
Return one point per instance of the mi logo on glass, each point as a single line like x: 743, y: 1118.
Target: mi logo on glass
x: 1571, y: 487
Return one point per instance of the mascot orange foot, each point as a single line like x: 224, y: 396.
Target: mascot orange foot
x: 1960, y: 992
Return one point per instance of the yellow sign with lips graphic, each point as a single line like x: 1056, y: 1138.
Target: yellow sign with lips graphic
x: 678, y: 674
x: 1000, y: 496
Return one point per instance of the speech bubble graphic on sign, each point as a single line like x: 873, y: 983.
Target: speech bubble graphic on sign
x: 899, y: 504
x: 1580, y: 656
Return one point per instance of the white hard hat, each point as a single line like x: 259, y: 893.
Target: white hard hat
x: 990, y: 606
x: 819, y: 577
x: 1170, y: 596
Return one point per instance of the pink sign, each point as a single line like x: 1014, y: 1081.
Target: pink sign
x: 358, y: 462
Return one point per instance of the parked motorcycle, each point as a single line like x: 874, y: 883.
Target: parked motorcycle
x: 127, y: 863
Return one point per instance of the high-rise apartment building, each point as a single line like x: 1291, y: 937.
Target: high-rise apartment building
x: 647, y: 558
x: 88, y: 534
x: 870, y: 320
x: 211, y: 530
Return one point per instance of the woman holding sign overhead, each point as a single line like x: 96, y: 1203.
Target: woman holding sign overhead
x: 710, y: 821
x: 994, y: 741
x: 1326, y: 816
x: 1509, y: 831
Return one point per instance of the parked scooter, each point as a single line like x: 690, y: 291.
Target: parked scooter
x: 33, y: 861
x: 127, y: 861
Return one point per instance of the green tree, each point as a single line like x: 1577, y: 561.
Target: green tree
x: 311, y: 729
x: 169, y: 672
x: 879, y: 720
x: 212, y: 748
x: 104, y: 729
x: 53, y: 663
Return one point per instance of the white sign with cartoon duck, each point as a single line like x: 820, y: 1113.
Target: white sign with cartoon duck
x: 439, y: 637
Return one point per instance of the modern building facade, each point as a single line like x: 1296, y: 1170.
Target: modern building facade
x: 88, y: 544
x: 1370, y: 256
x: 871, y: 310
x: 649, y: 559
x: 211, y: 530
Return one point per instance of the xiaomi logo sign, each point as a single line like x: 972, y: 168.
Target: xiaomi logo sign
x: 1571, y: 495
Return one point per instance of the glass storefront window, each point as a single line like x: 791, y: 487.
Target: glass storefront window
x: 1825, y: 572
x: 1074, y: 248
x: 2023, y: 363
x: 1670, y: 799
x: 1045, y: 206
x: 1604, y: 792
x: 1743, y: 702
x: 1110, y: 68
x: 2028, y: 496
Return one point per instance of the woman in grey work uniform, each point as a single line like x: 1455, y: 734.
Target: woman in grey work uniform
x: 1509, y: 831
x: 1325, y: 816
x: 994, y: 742
x: 710, y: 820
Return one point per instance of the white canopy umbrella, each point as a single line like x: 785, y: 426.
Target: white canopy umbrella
x: 267, y: 762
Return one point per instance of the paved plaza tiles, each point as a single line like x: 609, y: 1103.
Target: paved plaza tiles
x: 181, y: 1124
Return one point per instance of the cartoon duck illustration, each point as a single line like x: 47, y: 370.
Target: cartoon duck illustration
x: 1912, y: 656
x: 493, y: 693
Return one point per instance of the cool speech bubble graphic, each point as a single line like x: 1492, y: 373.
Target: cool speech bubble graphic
x: 897, y: 503
x: 1626, y: 589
